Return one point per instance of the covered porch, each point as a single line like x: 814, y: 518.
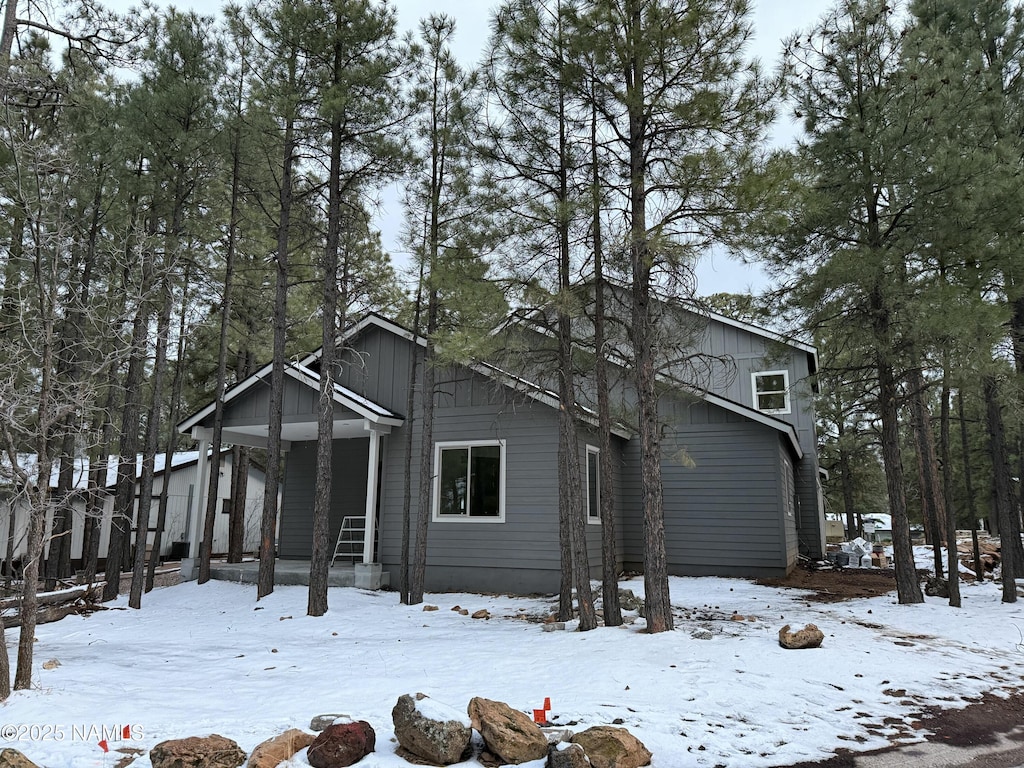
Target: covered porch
x: 357, y: 422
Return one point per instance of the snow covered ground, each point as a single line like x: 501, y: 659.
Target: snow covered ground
x: 210, y: 659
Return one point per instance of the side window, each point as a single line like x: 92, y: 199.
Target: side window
x: 593, y: 499
x: 470, y: 481
x: 771, y: 391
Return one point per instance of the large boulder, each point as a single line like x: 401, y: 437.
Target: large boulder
x: 280, y: 748
x: 610, y: 747
x: 12, y: 758
x: 431, y: 730
x: 808, y: 637
x: 212, y: 751
x: 342, y: 745
x: 507, y: 733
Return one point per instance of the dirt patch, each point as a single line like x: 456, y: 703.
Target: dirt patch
x: 833, y: 586
x: 977, y: 724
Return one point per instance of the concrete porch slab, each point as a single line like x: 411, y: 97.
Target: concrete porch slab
x: 294, y: 572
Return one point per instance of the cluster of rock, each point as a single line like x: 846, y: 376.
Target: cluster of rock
x: 428, y: 733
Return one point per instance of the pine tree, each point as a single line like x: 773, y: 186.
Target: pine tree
x: 683, y: 113
x: 536, y: 152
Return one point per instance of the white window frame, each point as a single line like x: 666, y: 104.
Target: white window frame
x: 785, y: 391
x: 437, y: 517
x: 596, y: 453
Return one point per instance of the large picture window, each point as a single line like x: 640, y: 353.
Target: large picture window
x: 771, y: 391
x: 470, y: 481
x: 593, y: 486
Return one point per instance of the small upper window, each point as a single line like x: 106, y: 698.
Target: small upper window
x: 470, y: 481
x: 771, y: 391
x: 593, y: 499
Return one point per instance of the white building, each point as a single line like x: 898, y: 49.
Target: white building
x: 183, y: 498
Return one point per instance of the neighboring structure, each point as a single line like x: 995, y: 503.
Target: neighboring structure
x: 739, y: 467
x: 182, y: 493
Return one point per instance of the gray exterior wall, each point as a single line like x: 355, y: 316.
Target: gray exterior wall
x: 728, y: 508
x: 348, y: 493
x: 740, y: 352
x: 517, y: 555
x: 753, y: 353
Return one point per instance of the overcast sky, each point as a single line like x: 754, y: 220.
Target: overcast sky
x: 773, y: 20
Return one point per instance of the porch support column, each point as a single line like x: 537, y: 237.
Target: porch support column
x: 371, y: 495
x: 189, y: 566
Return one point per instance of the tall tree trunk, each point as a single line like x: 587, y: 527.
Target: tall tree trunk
x: 222, y: 347
x: 931, y: 497
x: 7, y: 35
x: 129, y: 440
x: 163, y: 332
x: 176, y: 383
x: 907, y: 586
x: 424, y: 502
x: 239, y: 489
x: 39, y: 497
x: 1017, y: 337
x: 99, y: 460
x: 952, y: 556
x: 5, y: 659
x: 1001, y: 487
x: 404, y: 585
x: 268, y: 527
x: 846, y: 482
x: 658, y: 602
x: 979, y: 569
x: 58, y: 563
x: 320, y: 559
x: 572, y: 515
x: 611, y: 606
x: 29, y: 596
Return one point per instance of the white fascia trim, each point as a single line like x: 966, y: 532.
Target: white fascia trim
x: 368, y: 320
x: 752, y: 414
x: 231, y: 394
x: 766, y: 332
x: 365, y: 408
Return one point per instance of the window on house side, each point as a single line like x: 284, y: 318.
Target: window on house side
x: 470, y: 481
x: 771, y: 391
x: 593, y: 485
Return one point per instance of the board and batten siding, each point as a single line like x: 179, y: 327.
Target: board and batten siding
x: 724, y: 492
x: 348, y: 493
x: 298, y: 405
x: 376, y: 366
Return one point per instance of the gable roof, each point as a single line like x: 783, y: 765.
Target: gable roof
x: 300, y: 372
x: 369, y: 320
x: 732, y: 406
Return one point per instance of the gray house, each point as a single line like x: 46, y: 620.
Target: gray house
x: 739, y: 465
